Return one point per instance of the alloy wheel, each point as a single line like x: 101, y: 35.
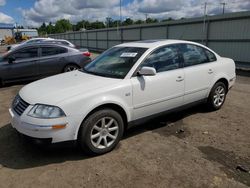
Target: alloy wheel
x: 104, y: 133
x: 219, y: 96
x: 71, y: 68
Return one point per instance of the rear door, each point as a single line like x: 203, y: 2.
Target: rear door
x: 24, y: 65
x: 198, y: 71
x: 52, y: 60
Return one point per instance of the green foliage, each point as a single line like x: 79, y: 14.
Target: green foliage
x: 151, y: 20
x: 63, y: 25
x: 128, y: 21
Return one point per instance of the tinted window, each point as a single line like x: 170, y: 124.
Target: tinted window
x: 25, y: 53
x: 211, y: 57
x: 115, y: 62
x: 163, y: 59
x: 192, y: 54
x: 47, y: 51
x: 64, y: 43
x: 34, y: 41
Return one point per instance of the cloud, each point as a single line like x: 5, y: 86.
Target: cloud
x: 159, y: 6
x: 5, y: 18
x: 2, y: 2
x: 76, y: 10
x: 80, y: 4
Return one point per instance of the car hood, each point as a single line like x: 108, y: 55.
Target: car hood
x: 53, y: 90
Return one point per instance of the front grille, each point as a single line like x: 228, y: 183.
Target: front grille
x: 19, y: 105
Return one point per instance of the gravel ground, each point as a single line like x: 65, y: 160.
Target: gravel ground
x: 206, y: 154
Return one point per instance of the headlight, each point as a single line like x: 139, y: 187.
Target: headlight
x: 46, y: 111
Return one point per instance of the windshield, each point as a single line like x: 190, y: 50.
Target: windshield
x: 115, y: 62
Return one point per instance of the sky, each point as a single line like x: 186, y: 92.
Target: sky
x: 32, y: 13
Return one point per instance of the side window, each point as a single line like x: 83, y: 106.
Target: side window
x: 47, y: 51
x: 192, y: 54
x: 25, y: 53
x: 210, y: 55
x: 163, y: 59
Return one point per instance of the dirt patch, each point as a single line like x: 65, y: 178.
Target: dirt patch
x: 230, y: 163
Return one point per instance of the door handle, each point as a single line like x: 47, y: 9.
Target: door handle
x: 179, y: 79
x: 210, y: 71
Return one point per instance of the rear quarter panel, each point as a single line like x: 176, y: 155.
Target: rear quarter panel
x: 224, y: 68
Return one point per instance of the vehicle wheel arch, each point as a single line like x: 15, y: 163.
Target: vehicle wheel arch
x: 112, y: 106
x: 223, y: 80
x: 75, y: 64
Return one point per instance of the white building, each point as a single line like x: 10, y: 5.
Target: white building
x: 6, y: 30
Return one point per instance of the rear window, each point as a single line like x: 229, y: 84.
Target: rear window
x: 48, y: 51
x: 210, y: 55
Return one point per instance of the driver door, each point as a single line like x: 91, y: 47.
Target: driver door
x: 163, y: 91
x: 23, y: 66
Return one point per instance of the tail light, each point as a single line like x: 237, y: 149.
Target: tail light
x: 88, y: 54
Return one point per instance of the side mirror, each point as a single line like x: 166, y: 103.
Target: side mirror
x: 11, y: 59
x: 147, y: 71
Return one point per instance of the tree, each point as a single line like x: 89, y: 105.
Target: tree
x: 42, y: 30
x: 151, y: 20
x: 50, y: 28
x: 97, y: 25
x: 128, y: 21
x: 168, y: 19
x: 139, y: 22
x: 63, y: 26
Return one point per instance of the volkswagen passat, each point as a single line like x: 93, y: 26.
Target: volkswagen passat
x: 127, y: 84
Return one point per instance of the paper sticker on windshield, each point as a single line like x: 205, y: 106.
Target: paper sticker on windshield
x: 128, y: 54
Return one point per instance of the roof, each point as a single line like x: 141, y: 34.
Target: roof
x: 152, y: 43
x: 6, y: 26
x: 40, y: 44
x: 26, y: 30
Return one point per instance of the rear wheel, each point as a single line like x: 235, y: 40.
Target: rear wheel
x: 101, y: 131
x: 217, y: 96
x: 71, y: 67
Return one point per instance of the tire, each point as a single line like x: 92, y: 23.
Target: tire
x: 217, y: 96
x: 70, y: 67
x: 1, y: 83
x: 101, y: 132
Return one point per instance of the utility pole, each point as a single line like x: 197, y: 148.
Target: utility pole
x: 120, y: 12
x: 204, y: 20
x: 146, y: 16
x: 223, y: 7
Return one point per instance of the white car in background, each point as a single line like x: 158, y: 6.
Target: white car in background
x: 62, y: 41
x: 30, y: 41
x: 126, y: 85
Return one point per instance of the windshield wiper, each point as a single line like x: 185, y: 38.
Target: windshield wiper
x: 100, y: 74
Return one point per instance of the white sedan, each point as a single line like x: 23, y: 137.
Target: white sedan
x: 128, y: 84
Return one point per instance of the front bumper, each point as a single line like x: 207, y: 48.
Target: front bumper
x: 42, y: 128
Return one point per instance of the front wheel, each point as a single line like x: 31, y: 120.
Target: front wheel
x: 217, y: 96
x: 101, y: 131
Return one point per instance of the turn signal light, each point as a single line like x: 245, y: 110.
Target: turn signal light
x: 58, y: 126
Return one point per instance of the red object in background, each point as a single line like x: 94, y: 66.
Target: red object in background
x: 88, y: 54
